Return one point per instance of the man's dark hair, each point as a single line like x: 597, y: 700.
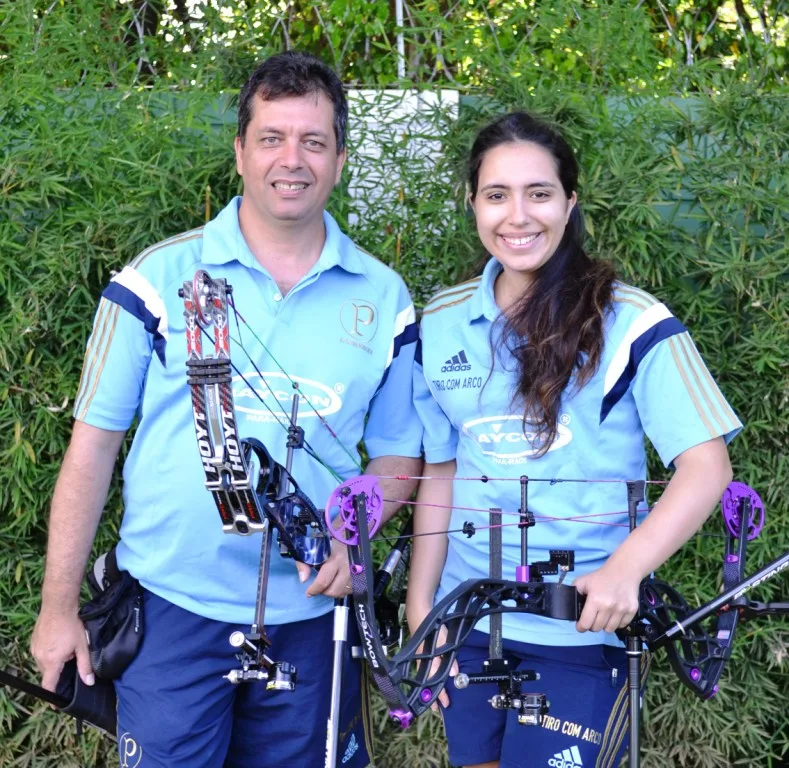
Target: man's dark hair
x: 293, y: 74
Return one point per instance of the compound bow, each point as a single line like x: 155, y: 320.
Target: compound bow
x: 246, y: 504
x: 412, y: 678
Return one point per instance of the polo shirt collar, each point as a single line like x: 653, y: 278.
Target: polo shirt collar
x: 483, y: 302
x: 223, y: 243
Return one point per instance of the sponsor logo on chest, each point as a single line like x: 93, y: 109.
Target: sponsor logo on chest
x: 503, y: 437
x: 267, y: 396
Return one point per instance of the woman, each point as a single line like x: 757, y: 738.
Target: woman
x: 547, y: 366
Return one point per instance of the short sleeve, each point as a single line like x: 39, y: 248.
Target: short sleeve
x: 129, y: 327
x: 393, y: 428
x: 678, y: 401
x: 440, y: 438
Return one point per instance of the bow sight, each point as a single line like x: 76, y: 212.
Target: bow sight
x: 413, y: 678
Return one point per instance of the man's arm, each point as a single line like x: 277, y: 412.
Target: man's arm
x: 395, y: 490
x: 334, y: 576
x: 77, y: 504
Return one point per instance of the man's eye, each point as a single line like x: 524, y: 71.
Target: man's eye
x: 313, y: 144
x: 270, y: 139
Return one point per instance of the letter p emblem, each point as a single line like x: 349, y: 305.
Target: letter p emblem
x: 359, y: 319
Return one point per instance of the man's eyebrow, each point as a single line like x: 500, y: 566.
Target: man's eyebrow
x: 500, y: 185
x: 280, y: 132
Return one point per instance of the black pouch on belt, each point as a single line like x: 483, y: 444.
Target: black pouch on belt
x: 113, y: 619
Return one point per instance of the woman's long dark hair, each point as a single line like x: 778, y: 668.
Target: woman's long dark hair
x: 555, y: 329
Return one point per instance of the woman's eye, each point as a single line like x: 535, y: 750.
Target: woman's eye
x: 496, y: 196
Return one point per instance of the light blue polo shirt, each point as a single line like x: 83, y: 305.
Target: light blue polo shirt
x: 651, y: 382
x: 345, y: 333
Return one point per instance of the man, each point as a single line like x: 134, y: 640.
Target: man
x: 340, y: 323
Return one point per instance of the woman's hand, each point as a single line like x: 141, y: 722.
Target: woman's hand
x: 611, y: 599
x: 415, y: 615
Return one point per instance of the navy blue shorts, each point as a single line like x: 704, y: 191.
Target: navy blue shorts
x: 176, y: 711
x: 587, y: 725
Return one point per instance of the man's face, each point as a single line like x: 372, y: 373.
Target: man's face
x: 289, y: 159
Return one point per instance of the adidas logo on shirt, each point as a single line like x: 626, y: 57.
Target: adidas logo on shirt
x: 350, y: 750
x: 567, y: 758
x: 458, y: 362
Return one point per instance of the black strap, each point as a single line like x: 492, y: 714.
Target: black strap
x: 93, y: 704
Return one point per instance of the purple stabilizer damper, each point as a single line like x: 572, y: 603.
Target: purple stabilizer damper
x: 401, y: 717
x: 426, y: 695
x: 695, y: 674
x: 713, y: 692
x: 732, y: 558
x: 522, y: 573
x: 357, y: 569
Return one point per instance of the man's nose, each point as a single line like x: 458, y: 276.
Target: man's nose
x: 290, y: 157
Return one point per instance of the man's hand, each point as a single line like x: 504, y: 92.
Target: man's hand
x: 80, y: 492
x: 57, y: 638
x: 334, y: 576
x: 611, y: 599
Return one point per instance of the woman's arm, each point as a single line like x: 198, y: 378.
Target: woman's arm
x: 702, y: 474
x: 429, y: 552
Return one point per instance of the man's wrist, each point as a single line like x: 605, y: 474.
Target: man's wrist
x: 57, y: 604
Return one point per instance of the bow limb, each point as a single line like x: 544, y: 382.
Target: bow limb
x: 697, y: 654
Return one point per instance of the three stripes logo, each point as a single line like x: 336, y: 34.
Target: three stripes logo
x: 350, y: 750
x: 458, y: 362
x: 567, y: 758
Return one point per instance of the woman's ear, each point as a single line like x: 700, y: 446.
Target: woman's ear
x: 570, y: 205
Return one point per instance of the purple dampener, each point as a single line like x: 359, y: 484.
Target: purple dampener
x: 340, y: 515
x: 522, y: 574
x: 730, y: 507
x: 401, y: 717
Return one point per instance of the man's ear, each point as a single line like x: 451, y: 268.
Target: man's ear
x: 341, y: 157
x: 239, y: 149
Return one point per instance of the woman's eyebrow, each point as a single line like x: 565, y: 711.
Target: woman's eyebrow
x: 532, y: 185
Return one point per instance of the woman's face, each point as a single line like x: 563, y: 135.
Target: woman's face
x: 521, y: 208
